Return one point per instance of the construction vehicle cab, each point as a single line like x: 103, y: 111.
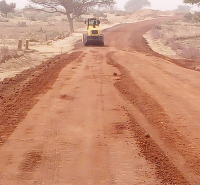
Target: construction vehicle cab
x: 93, y: 35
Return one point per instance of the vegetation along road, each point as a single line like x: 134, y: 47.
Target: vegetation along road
x: 119, y: 114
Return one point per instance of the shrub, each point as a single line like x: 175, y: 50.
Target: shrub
x: 3, y: 20
x: 190, y: 53
x: 169, y: 23
x: 188, y: 17
x: 195, y: 17
x: 170, y: 28
x: 36, y: 15
x: 33, y: 39
x: 174, y: 45
x: 22, y: 24
x: 79, y: 19
x: 10, y: 15
x: 4, y: 53
x: 104, y: 20
x: 43, y: 16
x: 4, y: 50
x: 158, y: 27
x: 99, y: 14
x: 18, y: 14
x: 155, y: 34
x: 64, y: 19
x: 183, y: 9
x: 33, y: 18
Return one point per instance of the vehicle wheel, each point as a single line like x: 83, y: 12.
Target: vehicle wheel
x: 102, y: 44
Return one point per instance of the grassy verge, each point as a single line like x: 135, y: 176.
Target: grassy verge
x: 181, y: 38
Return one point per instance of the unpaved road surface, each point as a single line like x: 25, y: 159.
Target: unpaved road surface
x: 102, y: 115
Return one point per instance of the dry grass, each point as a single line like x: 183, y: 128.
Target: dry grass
x: 156, y: 34
x: 4, y: 52
x: 7, y: 54
x: 23, y: 28
x: 174, y: 45
x: 182, y: 37
x: 181, y: 30
x: 190, y: 53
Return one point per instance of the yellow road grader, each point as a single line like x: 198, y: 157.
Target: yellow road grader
x: 93, y: 35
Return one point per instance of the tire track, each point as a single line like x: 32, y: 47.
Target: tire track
x: 166, y: 170
x: 19, y: 94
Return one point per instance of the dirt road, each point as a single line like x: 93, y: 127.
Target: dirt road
x: 102, y: 115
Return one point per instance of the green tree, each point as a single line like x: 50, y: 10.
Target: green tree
x: 6, y: 8
x: 193, y: 2
x: 134, y: 5
x: 71, y: 8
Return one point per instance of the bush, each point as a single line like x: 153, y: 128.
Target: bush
x: 174, y: 45
x: 36, y: 15
x: 190, y: 53
x: 183, y: 9
x: 195, y: 17
x: 4, y: 53
x: 3, y: 20
x: 4, y: 50
x: 10, y: 15
x: 155, y: 34
x: 18, y: 14
x: 33, y: 39
x: 22, y: 24
x: 55, y: 33
x: 188, y: 17
x: 33, y: 18
x: 79, y: 19
x: 104, y: 20
x: 158, y: 27
x: 169, y: 23
x: 64, y: 19
x: 99, y: 14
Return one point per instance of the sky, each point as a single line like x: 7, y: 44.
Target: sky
x: 155, y: 4
x: 19, y: 3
